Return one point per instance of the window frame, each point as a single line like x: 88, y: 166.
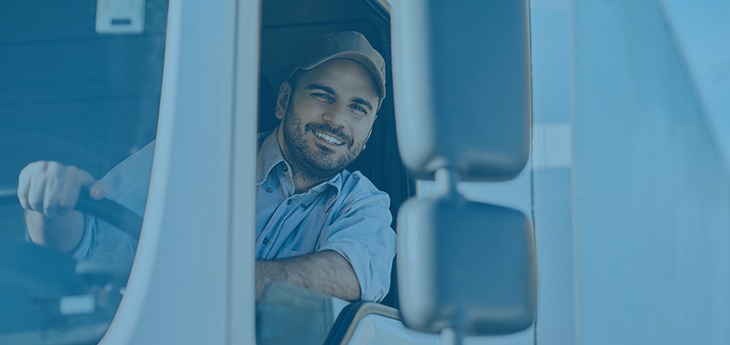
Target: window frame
x: 188, y: 285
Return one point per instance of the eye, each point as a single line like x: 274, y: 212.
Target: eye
x: 322, y: 96
x: 359, y: 109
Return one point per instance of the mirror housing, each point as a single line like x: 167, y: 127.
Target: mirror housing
x: 462, y: 83
x: 465, y: 266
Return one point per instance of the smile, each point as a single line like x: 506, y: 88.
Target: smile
x: 328, y: 138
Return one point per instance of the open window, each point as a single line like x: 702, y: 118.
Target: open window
x: 287, y: 30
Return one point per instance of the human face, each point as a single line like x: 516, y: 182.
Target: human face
x: 328, y: 119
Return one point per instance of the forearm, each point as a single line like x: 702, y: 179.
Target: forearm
x: 62, y: 232
x: 326, y: 272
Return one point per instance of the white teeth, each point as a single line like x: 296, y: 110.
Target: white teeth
x: 330, y: 139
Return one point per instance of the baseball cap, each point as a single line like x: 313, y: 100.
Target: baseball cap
x: 350, y: 45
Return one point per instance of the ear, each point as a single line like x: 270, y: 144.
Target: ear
x: 282, y: 100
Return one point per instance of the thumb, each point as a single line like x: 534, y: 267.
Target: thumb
x: 98, y: 190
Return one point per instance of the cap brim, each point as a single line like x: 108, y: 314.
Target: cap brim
x: 357, y: 57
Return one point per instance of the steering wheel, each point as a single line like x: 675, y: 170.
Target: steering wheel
x: 35, y: 279
x: 104, y: 209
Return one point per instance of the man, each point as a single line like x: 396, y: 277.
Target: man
x: 317, y: 225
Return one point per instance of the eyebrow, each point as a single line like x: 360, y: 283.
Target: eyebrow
x: 321, y: 87
x: 358, y: 100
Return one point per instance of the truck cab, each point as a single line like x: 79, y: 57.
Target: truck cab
x: 624, y: 184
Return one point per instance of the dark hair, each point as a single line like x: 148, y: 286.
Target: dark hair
x: 294, y: 79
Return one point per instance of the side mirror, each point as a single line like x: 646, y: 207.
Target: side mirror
x: 462, y: 78
x: 465, y: 266
x: 462, y: 83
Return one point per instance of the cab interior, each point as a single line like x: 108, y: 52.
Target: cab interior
x: 287, y: 29
x: 74, y: 95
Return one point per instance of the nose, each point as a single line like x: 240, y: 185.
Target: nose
x: 335, y: 114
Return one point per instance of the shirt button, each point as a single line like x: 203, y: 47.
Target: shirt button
x: 266, y: 240
x: 288, y: 202
x: 269, y: 190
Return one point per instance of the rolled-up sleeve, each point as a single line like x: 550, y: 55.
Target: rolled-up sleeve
x: 128, y: 185
x: 363, y: 236
x: 102, y: 242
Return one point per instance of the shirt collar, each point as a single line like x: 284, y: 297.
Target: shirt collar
x: 336, y: 182
x: 270, y: 156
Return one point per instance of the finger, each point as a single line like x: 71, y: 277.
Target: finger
x: 50, y: 197
x: 68, y: 196
x: 36, y: 189
x: 81, y: 179
x: 55, y: 179
x: 98, y: 190
x: 23, y: 187
x: 73, y: 181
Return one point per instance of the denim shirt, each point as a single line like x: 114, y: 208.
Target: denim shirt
x: 346, y: 214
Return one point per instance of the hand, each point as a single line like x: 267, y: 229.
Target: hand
x: 53, y: 188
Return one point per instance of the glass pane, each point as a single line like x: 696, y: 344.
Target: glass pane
x: 289, y: 314
x: 78, y: 94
